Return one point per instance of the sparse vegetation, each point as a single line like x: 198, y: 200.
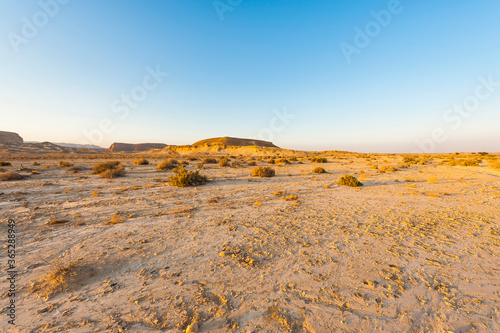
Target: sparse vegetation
x: 110, y: 170
x: 348, y: 180
x: 183, y: 177
x: 282, y: 161
x: 141, y: 161
x: 263, y: 172
x: 464, y: 162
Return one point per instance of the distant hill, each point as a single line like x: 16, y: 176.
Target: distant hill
x: 10, y: 138
x: 132, y: 147
x: 77, y: 146
x: 228, y: 141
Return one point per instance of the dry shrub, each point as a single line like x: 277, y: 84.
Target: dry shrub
x: 9, y: 175
x: 282, y: 161
x: 224, y: 162
x: 57, y: 221
x: 319, y: 160
x: 432, y: 180
x: 387, y: 168
x: 2, y: 163
x: 252, y: 163
x: 234, y: 164
x: 109, y: 169
x: 141, y: 161
x: 167, y: 165
x: 318, y: 170
x: 54, y: 281
x: 183, y: 178
x: 464, y: 162
x: 348, y: 180
x: 263, y: 172
x: 209, y: 160
x: 64, y: 164
x: 271, y: 161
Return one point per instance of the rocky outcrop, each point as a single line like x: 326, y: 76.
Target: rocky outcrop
x: 133, y: 148
x: 10, y: 138
x: 228, y: 141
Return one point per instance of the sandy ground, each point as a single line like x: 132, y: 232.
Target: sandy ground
x: 414, y: 250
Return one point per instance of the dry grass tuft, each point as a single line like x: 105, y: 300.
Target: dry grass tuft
x: 2, y: 163
x: 263, y: 172
x: 64, y: 164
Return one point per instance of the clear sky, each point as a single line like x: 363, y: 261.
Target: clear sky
x: 368, y: 76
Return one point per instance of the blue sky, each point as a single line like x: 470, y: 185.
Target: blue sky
x: 67, y: 76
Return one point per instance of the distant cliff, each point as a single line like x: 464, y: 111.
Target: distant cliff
x: 131, y: 147
x: 10, y: 138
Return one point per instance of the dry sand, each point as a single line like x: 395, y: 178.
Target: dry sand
x: 415, y: 250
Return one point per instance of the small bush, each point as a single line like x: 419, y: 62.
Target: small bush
x: 167, y: 165
x: 234, y: 164
x: 252, y: 163
x: 318, y: 170
x: 141, y: 161
x: 263, y: 172
x: 63, y: 164
x: 199, y: 165
x: 319, y: 160
x: 224, y: 162
x: 109, y: 169
x: 209, y: 160
x: 271, y: 161
x: 348, y: 180
x: 293, y: 159
x: 9, y: 175
x: 464, y: 162
x: 36, y: 163
x: 387, y: 168
x: 2, y: 163
x: 183, y: 178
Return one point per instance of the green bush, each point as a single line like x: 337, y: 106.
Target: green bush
x: 263, y: 172
x: 109, y: 169
x: 348, y: 180
x: 183, y: 178
x: 318, y: 170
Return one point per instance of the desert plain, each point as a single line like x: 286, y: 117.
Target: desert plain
x: 415, y: 249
